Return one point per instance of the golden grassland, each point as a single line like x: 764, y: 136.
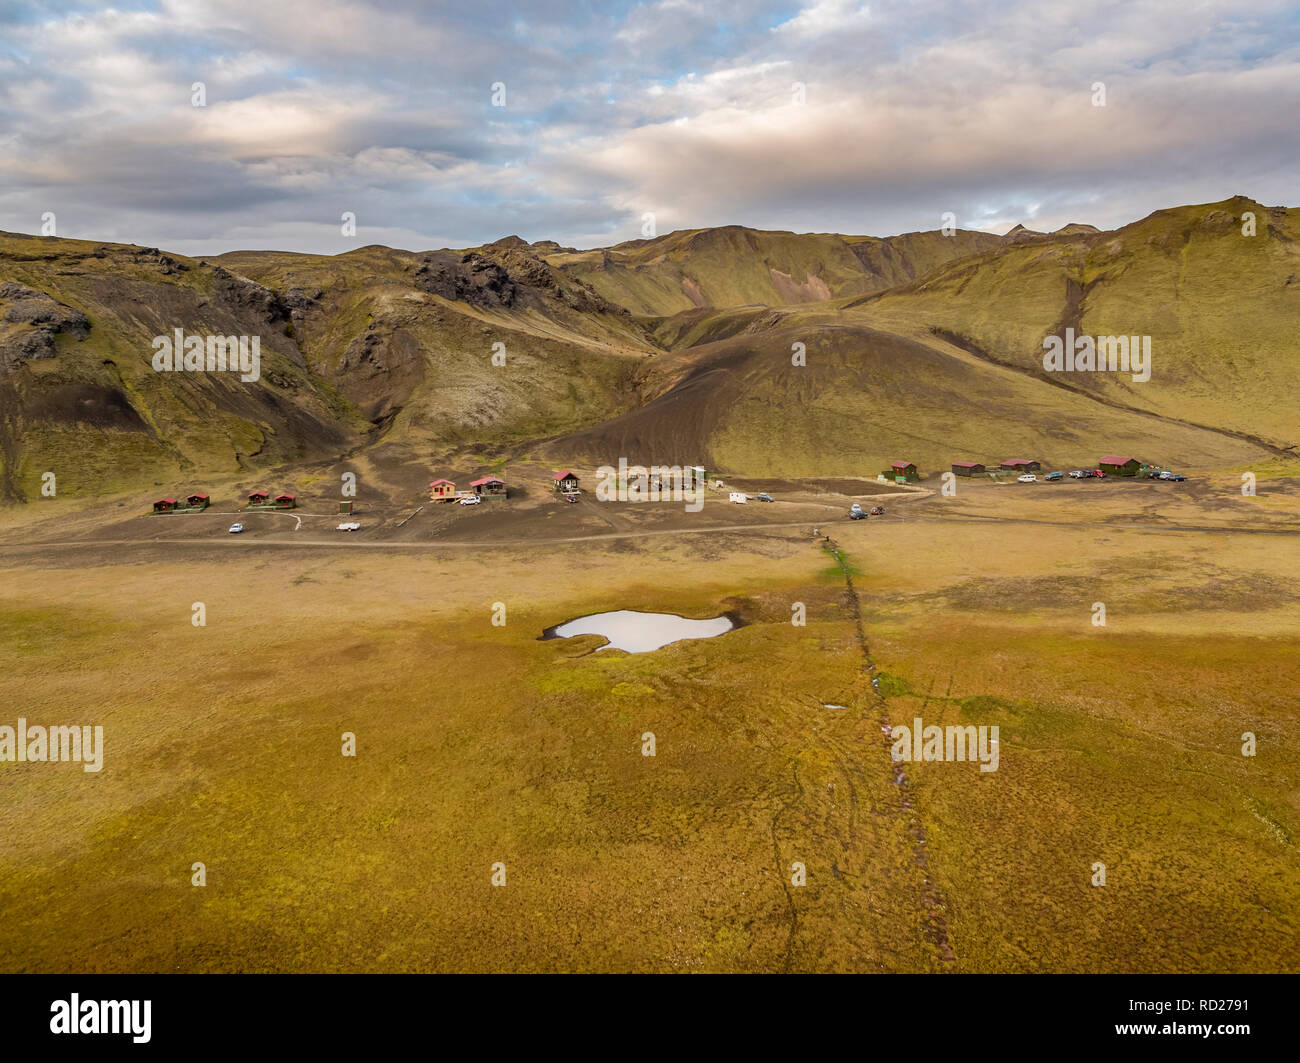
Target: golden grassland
x: 479, y: 744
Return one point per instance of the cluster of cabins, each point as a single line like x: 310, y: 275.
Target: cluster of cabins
x: 193, y: 504
x: 198, y: 502
x: 1111, y: 464
x: 263, y: 500
x: 566, y: 483
x: 486, y: 487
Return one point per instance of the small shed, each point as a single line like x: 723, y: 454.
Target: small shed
x: 285, y: 501
x: 1119, y: 465
x: 257, y: 498
x: 164, y: 505
x: 903, y: 471
x: 967, y: 468
x: 489, y: 487
x: 566, y: 482
x: 345, y: 507
x: 442, y: 491
x: 1022, y: 465
x: 198, y: 501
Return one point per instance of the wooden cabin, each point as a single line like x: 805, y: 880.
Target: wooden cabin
x: 285, y: 501
x: 198, y: 501
x: 1119, y: 465
x: 967, y: 468
x: 566, y: 482
x: 164, y: 505
x: 903, y: 472
x: 1021, y: 465
x: 442, y: 491
x: 489, y: 487
x: 258, y: 498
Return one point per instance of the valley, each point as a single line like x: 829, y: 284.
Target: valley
x: 502, y: 808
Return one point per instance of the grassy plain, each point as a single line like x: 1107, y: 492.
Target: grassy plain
x: 478, y: 744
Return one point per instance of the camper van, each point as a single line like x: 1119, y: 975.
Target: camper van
x: 739, y: 496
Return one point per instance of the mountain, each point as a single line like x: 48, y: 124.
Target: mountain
x: 1221, y: 309
x: 356, y: 349
x: 734, y: 266
x: 924, y: 346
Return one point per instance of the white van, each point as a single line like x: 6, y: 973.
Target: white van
x: 739, y: 496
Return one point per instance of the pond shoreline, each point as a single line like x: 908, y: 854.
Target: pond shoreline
x: 730, y: 615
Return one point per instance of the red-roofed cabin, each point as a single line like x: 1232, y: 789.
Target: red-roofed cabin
x: 1119, y: 465
x: 285, y: 501
x: 201, y: 501
x: 489, y: 487
x: 257, y: 498
x: 1022, y: 465
x: 164, y: 505
x: 442, y: 491
x: 903, y: 471
x: 566, y: 482
x: 967, y: 468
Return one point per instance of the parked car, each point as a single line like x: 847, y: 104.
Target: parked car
x: 1078, y: 474
x: 235, y: 529
x: 349, y: 525
x: 877, y: 511
x: 766, y: 498
x: 739, y: 497
x: 1054, y: 476
x: 469, y: 500
x: 571, y: 498
x: 1156, y: 474
x: 1175, y: 477
x: 856, y: 513
x: 1097, y: 474
x: 1028, y: 478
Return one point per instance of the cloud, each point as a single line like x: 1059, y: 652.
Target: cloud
x: 910, y: 109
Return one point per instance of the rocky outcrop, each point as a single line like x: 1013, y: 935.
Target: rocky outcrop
x: 27, y: 306
x: 32, y: 320
x: 165, y: 264
x: 469, y: 278
x: 240, y: 293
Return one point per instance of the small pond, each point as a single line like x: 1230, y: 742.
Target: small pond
x: 636, y: 632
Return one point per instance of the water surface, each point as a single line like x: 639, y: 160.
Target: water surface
x: 637, y: 632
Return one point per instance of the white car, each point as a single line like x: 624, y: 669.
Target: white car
x: 235, y: 529
x: 1028, y: 478
x: 469, y: 500
x: 349, y: 525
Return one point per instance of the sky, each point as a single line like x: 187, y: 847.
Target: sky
x: 450, y: 125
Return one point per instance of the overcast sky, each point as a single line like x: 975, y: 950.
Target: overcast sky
x: 689, y: 109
